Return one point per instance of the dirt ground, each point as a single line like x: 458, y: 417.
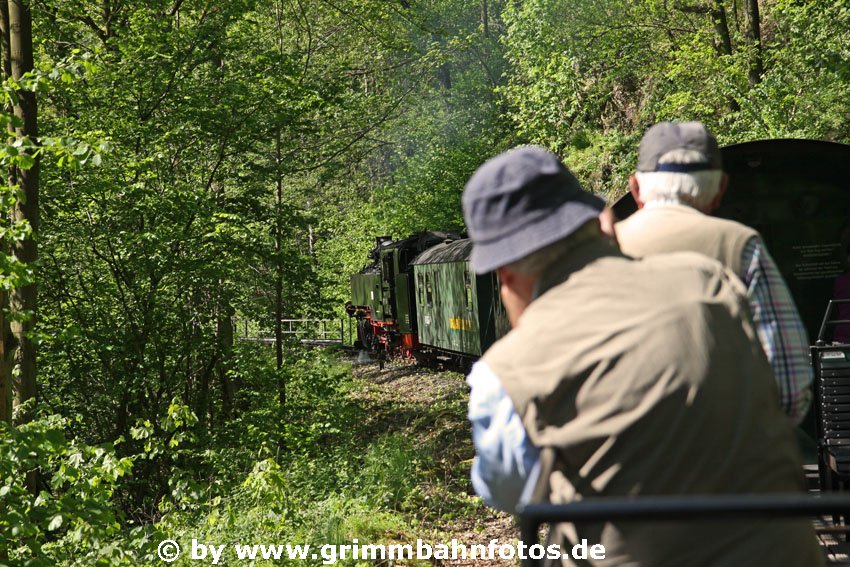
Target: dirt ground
x: 429, y: 406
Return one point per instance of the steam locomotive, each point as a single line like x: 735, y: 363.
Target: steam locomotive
x: 419, y: 294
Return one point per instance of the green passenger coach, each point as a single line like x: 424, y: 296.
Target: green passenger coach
x: 457, y: 311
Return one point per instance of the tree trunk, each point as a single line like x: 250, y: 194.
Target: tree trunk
x: 485, y: 18
x: 754, y: 36
x: 721, y: 26
x: 7, y: 346
x: 444, y: 75
x: 106, y: 13
x: 224, y: 334
x: 278, y: 280
x: 203, y: 402
x: 24, y: 299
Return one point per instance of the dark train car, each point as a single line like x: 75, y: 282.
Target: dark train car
x: 796, y: 193
x: 458, y: 311
x: 382, y: 293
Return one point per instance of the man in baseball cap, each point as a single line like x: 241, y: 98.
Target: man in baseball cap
x: 678, y: 183
x: 620, y: 377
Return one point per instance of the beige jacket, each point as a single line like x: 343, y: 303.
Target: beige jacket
x: 657, y: 229
x: 641, y: 378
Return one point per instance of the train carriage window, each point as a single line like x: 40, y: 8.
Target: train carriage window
x: 467, y: 284
x: 435, y: 277
x: 420, y: 286
x: 429, y: 291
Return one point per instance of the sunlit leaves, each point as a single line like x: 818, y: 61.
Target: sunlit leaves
x: 72, y: 515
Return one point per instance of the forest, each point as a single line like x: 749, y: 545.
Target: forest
x: 172, y: 167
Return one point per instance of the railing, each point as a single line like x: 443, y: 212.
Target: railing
x: 678, y: 508
x: 828, y: 321
x: 331, y: 331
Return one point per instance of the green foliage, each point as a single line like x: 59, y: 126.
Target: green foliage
x: 614, y: 68
x: 569, y: 74
x: 602, y: 161
x: 389, y: 475
x: 70, y: 518
x: 330, y: 483
x: 806, y: 82
x: 194, y: 154
x: 310, y: 417
x: 173, y: 427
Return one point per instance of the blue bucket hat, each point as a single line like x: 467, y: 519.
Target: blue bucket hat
x: 521, y: 201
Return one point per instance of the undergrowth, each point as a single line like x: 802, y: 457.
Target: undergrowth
x: 329, y: 468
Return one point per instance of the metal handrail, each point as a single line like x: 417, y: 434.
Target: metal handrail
x: 684, y: 507
x: 826, y: 318
x: 328, y: 330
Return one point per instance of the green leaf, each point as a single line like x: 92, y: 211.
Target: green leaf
x: 55, y: 523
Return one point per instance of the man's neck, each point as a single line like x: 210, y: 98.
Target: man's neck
x: 668, y: 202
x: 574, y: 260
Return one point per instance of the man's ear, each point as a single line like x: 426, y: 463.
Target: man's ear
x: 505, y: 276
x: 634, y: 189
x: 607, y: 220
x: 724, y: 184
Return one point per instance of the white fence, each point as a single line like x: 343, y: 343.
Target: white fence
x: 320, y: 331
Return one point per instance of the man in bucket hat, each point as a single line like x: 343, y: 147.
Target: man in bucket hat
x: 679, y: 181
x: 620, y: 377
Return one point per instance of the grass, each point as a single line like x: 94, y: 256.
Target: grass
x: 378, y: 456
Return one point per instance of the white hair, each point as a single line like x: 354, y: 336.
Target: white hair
x: 696, y: 189
x: 541, y: 259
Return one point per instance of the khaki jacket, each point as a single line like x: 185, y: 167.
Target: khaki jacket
x: 642, y: 377
x: 657, y: 229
